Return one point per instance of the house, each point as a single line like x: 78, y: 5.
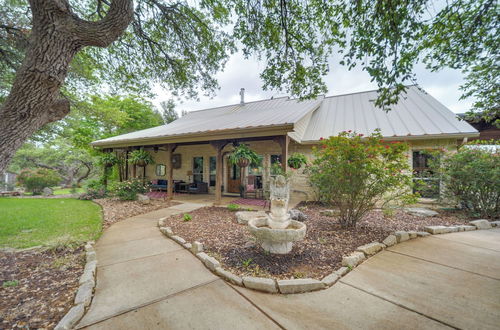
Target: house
x: 199, y: 143
x: 487, y: 130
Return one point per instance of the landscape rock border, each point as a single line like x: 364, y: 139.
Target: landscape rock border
x: 85, y: 292
x: 349, y: 262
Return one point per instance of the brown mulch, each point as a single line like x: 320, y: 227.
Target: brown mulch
x: 115, y: 210
x: 47, y: 281
x: 319, y: 254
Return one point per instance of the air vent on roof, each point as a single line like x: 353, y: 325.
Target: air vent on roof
x: 242, y: 95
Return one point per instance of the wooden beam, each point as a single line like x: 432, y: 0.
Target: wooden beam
x: 170, y: 185
x: 284, y: 142
x: 219, y: 159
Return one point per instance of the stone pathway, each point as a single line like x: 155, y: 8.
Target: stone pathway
x: 146, y: 281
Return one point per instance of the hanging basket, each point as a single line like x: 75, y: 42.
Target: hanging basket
x: 243, y: 162
x: 108, y: 164
x: 141, y: 163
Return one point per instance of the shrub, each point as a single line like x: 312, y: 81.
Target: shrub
x: 233, y: 207
x: 471, y: 177
x: 93, y: 190
x: 187, y: 217
x: 354, y: 174
x: 37, y: 179
x: 128, y: 190
x: 297, y: 160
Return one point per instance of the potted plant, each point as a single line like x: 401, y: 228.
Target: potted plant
x: 243, y: 156
x: 108, y: 159
x: 140, y: 158
x: 297, y: 160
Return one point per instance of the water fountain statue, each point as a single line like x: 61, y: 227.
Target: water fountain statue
x: 277, y: 231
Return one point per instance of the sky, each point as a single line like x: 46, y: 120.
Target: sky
x: 242, y: 73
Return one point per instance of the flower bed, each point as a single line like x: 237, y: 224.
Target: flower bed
x: 318, y: 255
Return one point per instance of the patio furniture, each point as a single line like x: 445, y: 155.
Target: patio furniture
x: 159, y: 185
x: 252, y: 192
x: 198, y: 188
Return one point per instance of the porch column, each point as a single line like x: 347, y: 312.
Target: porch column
x: 170, y: 186
x: 283, y: 141
x: 218, y: 146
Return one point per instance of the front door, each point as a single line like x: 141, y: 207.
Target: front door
x: 233, y: 178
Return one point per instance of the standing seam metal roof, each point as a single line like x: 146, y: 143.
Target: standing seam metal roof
x: 417, y: 114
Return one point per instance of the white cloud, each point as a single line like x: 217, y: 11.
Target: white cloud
x: 241, y: 73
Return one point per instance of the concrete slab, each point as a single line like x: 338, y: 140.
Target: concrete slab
x: 127, y: 285
x: 340, y: 307
x: 211, y: 306
x: 118, y: 235
x: 454, y: 254
x: 461, y: 299
x: 488, y: 239
x: 161, y: 213
x: 187, y: 207
x: 125, y: 251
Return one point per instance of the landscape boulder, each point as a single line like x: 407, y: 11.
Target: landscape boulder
x: 297, y: 215
x: 421, y: 212
x: 481, y: 224
x: 143, y: 199
x: 47, y: 191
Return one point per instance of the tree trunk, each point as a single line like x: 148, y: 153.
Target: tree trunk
x: 57, y: 35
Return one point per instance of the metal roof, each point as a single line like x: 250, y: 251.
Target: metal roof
x: 416, y: 115
x: 274, y: 112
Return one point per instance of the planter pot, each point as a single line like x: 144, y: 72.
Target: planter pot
x: 243, y: 162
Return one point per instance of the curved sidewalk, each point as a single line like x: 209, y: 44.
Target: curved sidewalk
x: 147, y: 281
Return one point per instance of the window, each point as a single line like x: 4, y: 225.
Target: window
x: 213, y: 167
x: 426, y: 183
x: 197, y: 169
x: 255, y: 175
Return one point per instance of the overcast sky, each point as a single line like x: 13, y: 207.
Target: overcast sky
x: 241, y: 73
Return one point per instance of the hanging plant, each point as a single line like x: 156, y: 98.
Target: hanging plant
x: 297, y: 160
x: 140, y: 157
x: 108, y: 159
x: 243, y: 156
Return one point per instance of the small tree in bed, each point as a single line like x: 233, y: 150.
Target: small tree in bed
x: 354, y: 174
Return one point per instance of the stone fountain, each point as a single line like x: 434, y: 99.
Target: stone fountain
x: 276, y: 232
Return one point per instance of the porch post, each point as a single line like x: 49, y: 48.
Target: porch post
x: 170, y: 186
x: 284, y: 141
x: 218, y: 146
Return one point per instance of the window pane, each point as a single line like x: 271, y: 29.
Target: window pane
x: 213, y: 164
x: 198, y: 169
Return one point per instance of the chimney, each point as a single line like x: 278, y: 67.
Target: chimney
x: 242, y: 94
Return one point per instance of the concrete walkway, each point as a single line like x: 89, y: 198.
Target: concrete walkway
x: 146, y: 281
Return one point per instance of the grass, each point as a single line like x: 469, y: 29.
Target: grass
x: 30, y: 222
x: 61, y: 191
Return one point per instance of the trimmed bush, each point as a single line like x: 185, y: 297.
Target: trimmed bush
x: 37, y: 179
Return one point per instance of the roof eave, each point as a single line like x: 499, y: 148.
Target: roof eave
x: 418, y: 137
x: 259, y: 131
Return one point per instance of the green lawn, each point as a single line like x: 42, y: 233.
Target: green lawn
x: 29, y: 222
x: 66, y: 191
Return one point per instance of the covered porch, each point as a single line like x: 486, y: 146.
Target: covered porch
x: 201, y: 170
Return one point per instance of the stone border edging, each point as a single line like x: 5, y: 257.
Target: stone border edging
x: 362, y: 253
x: 85, y: 291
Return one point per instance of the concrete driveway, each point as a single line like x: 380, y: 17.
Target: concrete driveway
x: 146, y: 281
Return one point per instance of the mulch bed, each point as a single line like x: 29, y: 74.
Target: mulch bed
x: 319, y: 254
x: 115, y: 210
x: 47, y: 281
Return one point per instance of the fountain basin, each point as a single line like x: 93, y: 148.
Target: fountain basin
x: 277, y: 241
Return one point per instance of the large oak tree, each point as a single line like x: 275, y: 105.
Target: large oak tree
x: 50, y: 49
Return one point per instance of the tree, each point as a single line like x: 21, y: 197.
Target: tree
x: 182, y: 45
x: 169, y: 113
x: 354, y: 174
